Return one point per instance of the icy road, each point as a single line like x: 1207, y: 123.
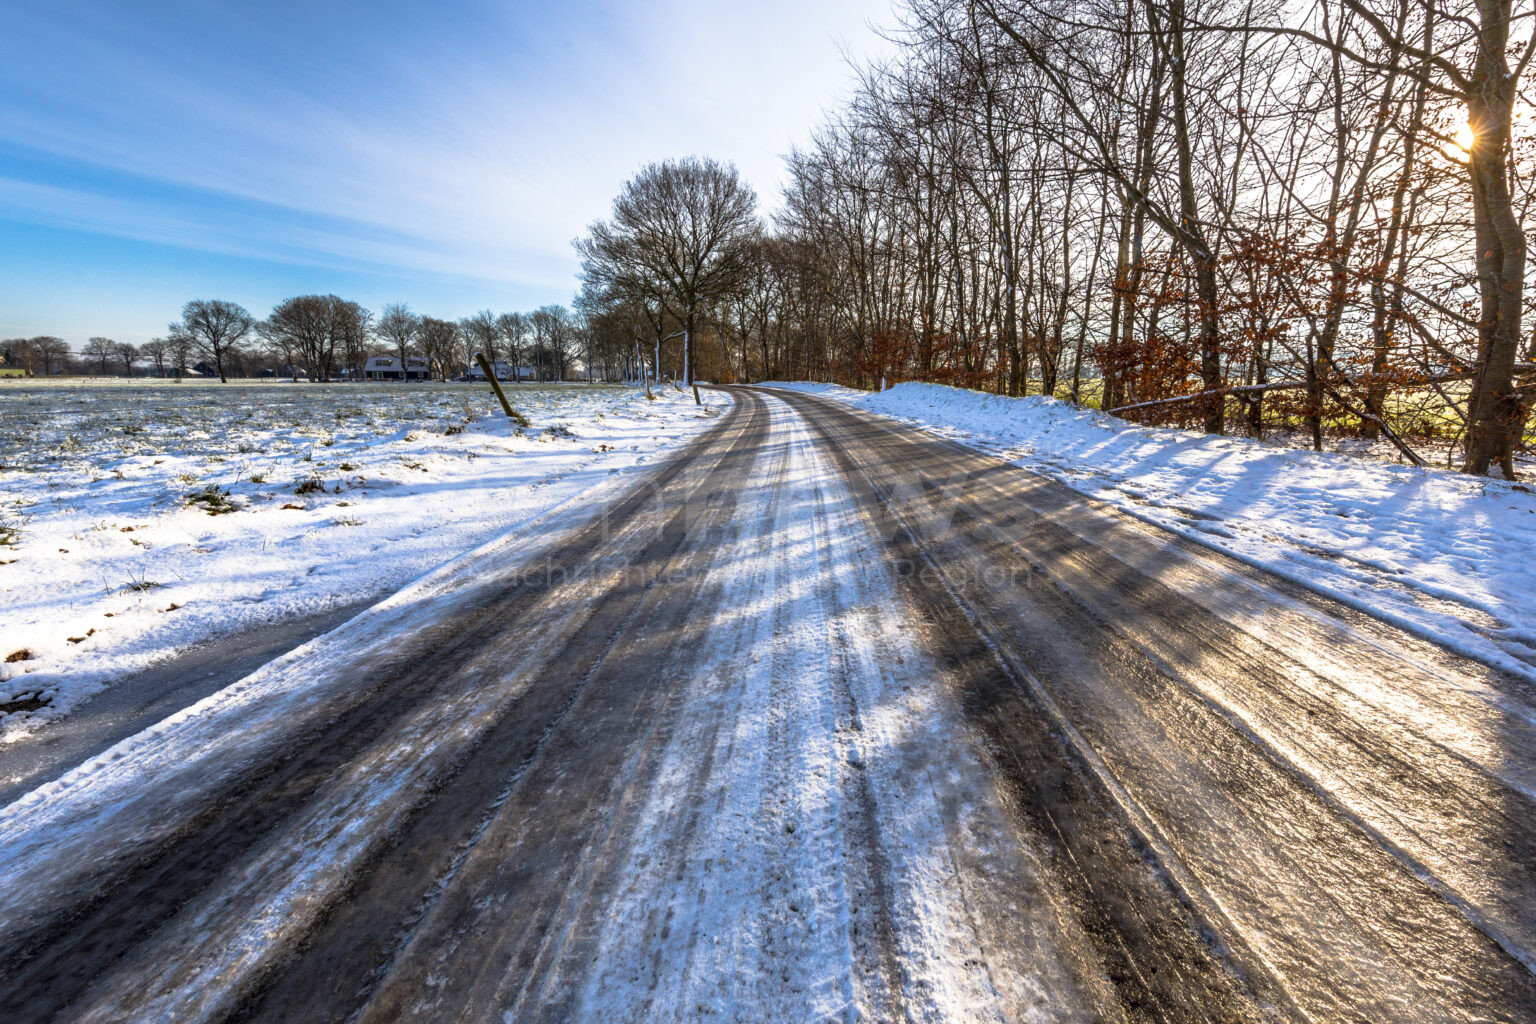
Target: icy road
x: 825, y: 719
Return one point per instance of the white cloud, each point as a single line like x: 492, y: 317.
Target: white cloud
x: 480, y: 153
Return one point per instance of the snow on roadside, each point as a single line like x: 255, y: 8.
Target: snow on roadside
x: 151, y: 516
x: 1442, y: 555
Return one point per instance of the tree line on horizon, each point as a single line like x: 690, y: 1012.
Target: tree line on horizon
x: 1233, y: 215
x: 325, y: 338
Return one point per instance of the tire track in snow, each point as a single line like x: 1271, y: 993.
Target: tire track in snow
x: 1239, y: 825
x: 139, y: 892
x: 820, y: 817
x: 500, y: 937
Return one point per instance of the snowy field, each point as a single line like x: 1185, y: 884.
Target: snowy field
x: 1442, y: 555
x: 139, y: 518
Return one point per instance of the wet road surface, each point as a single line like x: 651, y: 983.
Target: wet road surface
x: 826, y: 719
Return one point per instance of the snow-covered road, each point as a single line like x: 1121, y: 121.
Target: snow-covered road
x: 825, y: 719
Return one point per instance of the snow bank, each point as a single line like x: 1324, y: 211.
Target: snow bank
x: 150, y: 516
x: 1445, y: 556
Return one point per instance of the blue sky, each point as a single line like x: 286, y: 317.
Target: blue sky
x: 439, y: 154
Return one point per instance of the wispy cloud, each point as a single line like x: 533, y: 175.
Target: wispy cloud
x: 465, y: 139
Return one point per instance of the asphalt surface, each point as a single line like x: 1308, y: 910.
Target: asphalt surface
x: 826, y: 719
x: 139, y: 701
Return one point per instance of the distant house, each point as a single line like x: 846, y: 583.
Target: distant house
x: 388, y: 368
x: 504, y: 371
x: 293, y: 372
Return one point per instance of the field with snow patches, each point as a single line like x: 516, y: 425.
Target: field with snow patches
x: 1442, y: 555
x: 138, y: 518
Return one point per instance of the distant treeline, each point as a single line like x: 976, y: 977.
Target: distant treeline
x: 326, y: 338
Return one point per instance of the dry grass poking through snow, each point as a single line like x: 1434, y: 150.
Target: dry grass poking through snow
x: 139, y: 517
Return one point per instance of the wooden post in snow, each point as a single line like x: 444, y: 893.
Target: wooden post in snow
x: 490, y: 374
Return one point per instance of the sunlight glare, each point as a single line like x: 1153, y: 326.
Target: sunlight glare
x: 1464, y: 138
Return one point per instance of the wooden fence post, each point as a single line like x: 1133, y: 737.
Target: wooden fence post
x: 490, y: 374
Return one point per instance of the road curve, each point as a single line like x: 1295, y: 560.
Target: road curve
x: 825, y: 719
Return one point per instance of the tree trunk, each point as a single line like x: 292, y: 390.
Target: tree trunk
x: 1496, y: 413
x: 1200, y: 254
x: 688, y: 357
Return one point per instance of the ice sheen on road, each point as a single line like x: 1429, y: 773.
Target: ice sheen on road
x: 841, y: 853
x: 1442, y: 555
x: 815, y: 709
x: 1413, y: 747
x: 115, y: 569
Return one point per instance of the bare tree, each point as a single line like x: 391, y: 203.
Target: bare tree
x: 439, y: 342
x: 19, y: 352
x: 683, y: 227
x: 100, y: 350
x: 181, y: 352
x: 215, y: 327
x: 300, y: 328
x: 314, y: 327
x: 1180, y: 206
x: 127, y: 353
x: 561, y: 339
x: 281, y: 347
x: 156, y: 350
x: 1460, y: 53
x: 482, y: 332
x: 621, y: 327
x: 399, y: 328
x: 50, y: 351
x: 352, y: 328
x: 553, y: 340
x: 513, y: 328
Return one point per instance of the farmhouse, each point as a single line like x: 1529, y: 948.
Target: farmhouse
x: 388, y: 368
x: 504, y: 371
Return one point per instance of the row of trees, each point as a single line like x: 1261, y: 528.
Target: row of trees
x: 326, y: 337
x: 546, y: 343
x: 44, y: 354
x: 329, y: 337
x: 47, y: 355
x: 100, y: 356
x: 1219, y: 213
